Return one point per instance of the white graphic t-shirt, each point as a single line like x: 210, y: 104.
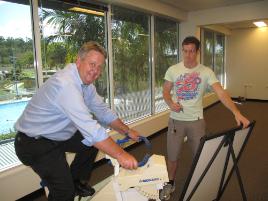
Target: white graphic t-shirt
x: 189, y: 87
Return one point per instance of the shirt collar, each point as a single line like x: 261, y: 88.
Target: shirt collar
x: 77, y: 76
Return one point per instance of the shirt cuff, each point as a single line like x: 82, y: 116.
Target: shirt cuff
x: 91, y: 142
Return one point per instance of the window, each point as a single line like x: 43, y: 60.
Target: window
x: 64, y: 29
x: 60, y: 32
x: 213, y: 52
x: 219, y: 57
x: 17, y: 72
x: 131, y: 67
x: 166, y: 54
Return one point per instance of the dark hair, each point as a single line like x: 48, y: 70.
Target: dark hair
x: 91, y: 45
x: 191, y: 40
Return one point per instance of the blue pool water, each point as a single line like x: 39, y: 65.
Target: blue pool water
x: 9, y: 113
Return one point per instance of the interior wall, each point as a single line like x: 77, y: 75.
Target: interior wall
x: 246, y: 60
x: 243, y: 12
x: 247, y: 63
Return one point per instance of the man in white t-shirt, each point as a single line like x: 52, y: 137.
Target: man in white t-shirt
x: 189, y: 80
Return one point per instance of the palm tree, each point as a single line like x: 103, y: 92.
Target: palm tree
x: 74, y: 29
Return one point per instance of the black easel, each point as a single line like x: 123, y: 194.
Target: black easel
x: 228, y: 139
x: 229, y: 142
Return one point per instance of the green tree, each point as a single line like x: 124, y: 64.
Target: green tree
x: 56, y: 54
x: 131, y: 49
x: 72, y: 31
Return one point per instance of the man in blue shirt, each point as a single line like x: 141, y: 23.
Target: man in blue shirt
x: 59, y: 119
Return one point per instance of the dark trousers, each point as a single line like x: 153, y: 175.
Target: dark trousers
x: 47, y: 158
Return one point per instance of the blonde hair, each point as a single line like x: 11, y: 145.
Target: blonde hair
x: 91, y: 45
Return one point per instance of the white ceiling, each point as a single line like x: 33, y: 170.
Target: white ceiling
x: 195, y: 5
x: 243, y: 24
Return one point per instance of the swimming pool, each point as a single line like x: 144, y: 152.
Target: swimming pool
x: 9, y: 113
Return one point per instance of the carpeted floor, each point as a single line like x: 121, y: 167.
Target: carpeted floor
x: 253, y: 164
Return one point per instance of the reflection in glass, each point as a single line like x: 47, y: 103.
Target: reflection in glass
x: 219, y: 57
x: 208, y: 48
x: 166, y: 52
x: 63, y: 32
x: 213, y: 46
x: 17, y: 72
x: 130, y: 38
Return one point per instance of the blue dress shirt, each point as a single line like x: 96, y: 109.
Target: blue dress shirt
x: 62, y: 105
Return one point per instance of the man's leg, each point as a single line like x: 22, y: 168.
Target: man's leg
x: 175, y: 137
x: 56, y: 175
x: 47, y: 159
x: 172, y: 169
x: 81, y: 166
x: 195, y: 131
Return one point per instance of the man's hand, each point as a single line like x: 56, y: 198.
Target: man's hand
x: 122, y: 128
x: 133, y: 134
x: 241, y: 119
x: 109, y: 147
x: 176, y: 107
x: 126, y: 160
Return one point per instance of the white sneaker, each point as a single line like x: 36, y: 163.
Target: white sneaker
x: 167, y: 190
x: 172, y: 186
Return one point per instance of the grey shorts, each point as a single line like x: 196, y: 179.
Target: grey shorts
x: 177, y: 130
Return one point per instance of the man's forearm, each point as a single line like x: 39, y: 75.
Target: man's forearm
x: 166, y: 93
x: 225, y: 98
x: 168, y: 99
x: 227, y: 101
x: 109, y: 147
x: 119, y: 126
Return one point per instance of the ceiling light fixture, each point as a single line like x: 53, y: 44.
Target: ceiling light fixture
x: 84, y: 10
x: 260, y: 24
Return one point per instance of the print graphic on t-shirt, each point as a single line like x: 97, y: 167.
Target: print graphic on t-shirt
x: 187, y: 86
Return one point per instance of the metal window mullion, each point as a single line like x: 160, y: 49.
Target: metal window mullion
x: 224, y: 64
x: 110, y: 56
x: 213, y: 50
x: 223, y: 59
x: 178, y: 42
x: 36, y: 43
x: 152, y: 63
x: 202, y: 43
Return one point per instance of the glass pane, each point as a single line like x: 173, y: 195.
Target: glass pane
x: 208, y: 45
x: 213, y: 53
x: 17, y: 72
x: 166, y: 51
x: 219, y: 57
x: 130, y: 38
x: 64, y: 31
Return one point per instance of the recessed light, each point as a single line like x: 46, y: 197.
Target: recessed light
x: 260, y: 24
x: 84, y: 10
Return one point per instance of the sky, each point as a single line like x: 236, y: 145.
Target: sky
x: 15, y: 20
